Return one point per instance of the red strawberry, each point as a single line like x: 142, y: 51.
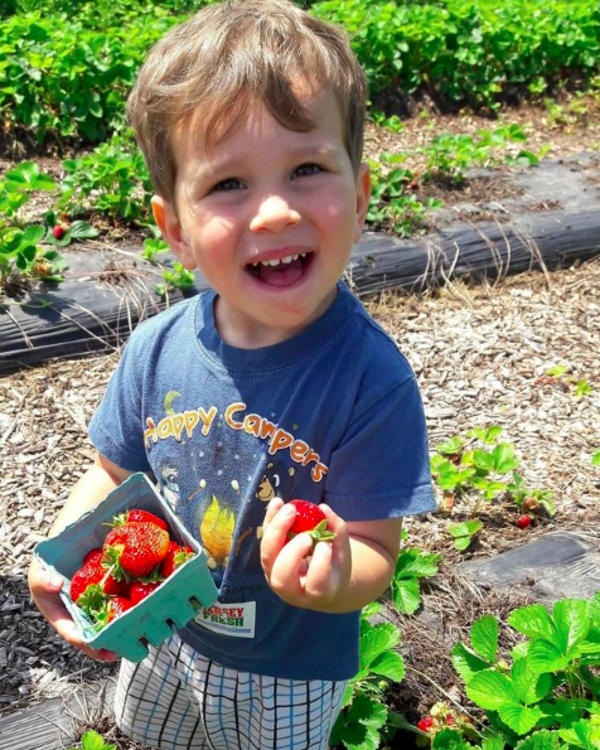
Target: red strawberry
x: 93, y: 574
x: 58, y: 232
x: 176, y: 556
x: 135, y: 549
x: 425, y: 724
x: 139, y: 590
x: 523, y: 522
x: 94, y: 556
x: 110, y: 610
x: 310, y: 518
x: 137, y: 516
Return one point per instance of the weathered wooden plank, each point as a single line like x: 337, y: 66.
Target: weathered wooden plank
x: 51, y: 725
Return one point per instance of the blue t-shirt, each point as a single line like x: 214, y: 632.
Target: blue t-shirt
x: 331, y: 415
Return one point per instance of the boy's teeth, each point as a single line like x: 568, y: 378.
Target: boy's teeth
x: 277, y: 261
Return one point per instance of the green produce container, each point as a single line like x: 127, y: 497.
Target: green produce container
x: 166, y: 609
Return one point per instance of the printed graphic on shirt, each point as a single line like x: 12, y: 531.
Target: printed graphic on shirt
x: 237, y: 620
x: 177, y: 424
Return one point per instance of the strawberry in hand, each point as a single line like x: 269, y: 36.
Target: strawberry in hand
x: 310, y: 518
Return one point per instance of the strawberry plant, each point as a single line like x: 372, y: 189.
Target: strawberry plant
x: 365, y: 719
x: 464, y: 533
x: 479, y: 468
x: 178, y: 278
x: 546, y: 696
x: 112, y: 180
x: 22, y: 257
x: 411, y: 565
x: 93, y: 741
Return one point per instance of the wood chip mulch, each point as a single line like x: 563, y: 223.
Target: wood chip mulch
x: 477, y: 352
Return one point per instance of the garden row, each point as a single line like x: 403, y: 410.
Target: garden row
x: 65, y: 74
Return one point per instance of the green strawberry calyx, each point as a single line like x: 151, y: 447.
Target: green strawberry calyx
x: 319, y: 534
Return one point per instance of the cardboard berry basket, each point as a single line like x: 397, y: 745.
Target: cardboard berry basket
x: 168, y: 607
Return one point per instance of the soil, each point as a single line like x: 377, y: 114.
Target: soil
x: 480, y: 354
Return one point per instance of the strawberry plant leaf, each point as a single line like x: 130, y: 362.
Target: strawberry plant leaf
x: 390, y: 665
x: 484, y: 637
x: 504, y: 458
x: 520, y: 719
x: 376, y: 640
x: 449, y: 739
x: 572, y: 622
x: 581, y: 735
x: 533, y: 621
x: 596, y: 458
x: 406, y: 595
x: 540, y: 741
x: 529, y: 685
x: 81, y: 230
x: 493, y: 743
x: 413, y: 562
x: 491, y: 690
x: 466, y: 663
x: 544, y: 656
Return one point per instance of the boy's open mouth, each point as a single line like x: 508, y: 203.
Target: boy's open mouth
x: 283, y: 272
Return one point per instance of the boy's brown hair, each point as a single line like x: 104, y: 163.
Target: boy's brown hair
x: 234, y: 54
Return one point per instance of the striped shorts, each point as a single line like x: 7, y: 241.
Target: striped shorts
x: 177, y: 699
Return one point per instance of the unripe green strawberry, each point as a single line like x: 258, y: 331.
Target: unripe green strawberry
x: 135, y: 549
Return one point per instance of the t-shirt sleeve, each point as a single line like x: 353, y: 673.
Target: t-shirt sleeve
x: 116, y: 428
x: 381, y: 468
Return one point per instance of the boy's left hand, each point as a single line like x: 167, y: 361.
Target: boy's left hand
x: 313, y: 582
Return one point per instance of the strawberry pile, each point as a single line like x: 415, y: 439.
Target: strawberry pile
x: 136, y: 557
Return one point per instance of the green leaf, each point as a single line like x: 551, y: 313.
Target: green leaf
x: 406, y: 595
x: 533, y: 621
x: 493, y: 743
x: 580, y: 735
x: 529, y: 685
x: 449, y: 739
x: 376, y: 640
x: 540, y: 741
x: 544, y: 656
x: 520, y: 718
x: 491, y: 690
x: 465, y: 528
x: 80, y: 230
x: 463, y: 543
x: 466, y: 663
x: 484, y: 637
x: 572, y: 622
x: 504, y: 458
x: 415, y: 563
x: 390, y: 665
x: 93, y: 741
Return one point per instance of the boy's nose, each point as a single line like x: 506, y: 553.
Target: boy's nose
x: 274, y: 214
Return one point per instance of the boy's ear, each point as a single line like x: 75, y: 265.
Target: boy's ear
x: 172, y: 231
x: 363, y: 198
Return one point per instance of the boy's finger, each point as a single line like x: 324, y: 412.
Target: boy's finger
x: 272, y: 509
x: 275, y: 535
x: 287, y: 573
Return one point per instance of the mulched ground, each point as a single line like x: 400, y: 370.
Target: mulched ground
x: 477, y: 352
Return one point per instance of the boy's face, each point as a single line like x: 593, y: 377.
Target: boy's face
x: 269, y: 216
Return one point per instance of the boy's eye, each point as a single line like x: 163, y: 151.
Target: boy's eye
x: 229, y: 184
x: 308, y: 169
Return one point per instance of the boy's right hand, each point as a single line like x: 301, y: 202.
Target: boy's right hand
x: 44, y: 589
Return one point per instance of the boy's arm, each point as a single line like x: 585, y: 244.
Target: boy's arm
x: 100, y: 479
x: 341, y: 576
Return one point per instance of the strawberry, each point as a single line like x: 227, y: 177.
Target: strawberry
x: 310, y: 518
x: 523, y: 522
x: 135, y: 549
x: 139, y: 590
x: 137, y: 516
x: 425, y: 724
x: 94, y: 555
x: 93, y: 575
x: 176, y: 556
x: 58, y: 232
x: 110, y: 610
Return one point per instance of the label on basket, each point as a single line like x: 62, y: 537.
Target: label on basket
x: 237, y: 620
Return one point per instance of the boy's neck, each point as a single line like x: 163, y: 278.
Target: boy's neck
x: 236, y: 332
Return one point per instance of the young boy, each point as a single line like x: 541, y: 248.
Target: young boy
x: 275, y: 385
